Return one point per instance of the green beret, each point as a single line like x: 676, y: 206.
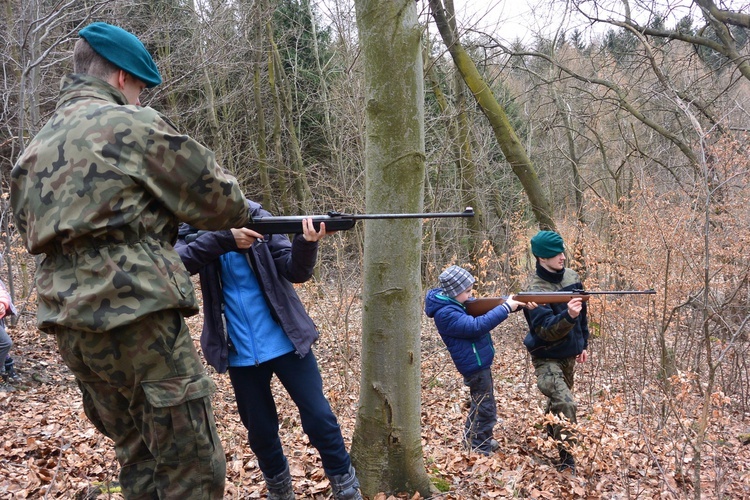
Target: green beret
x: 547, y: 244
x: 123, y: 49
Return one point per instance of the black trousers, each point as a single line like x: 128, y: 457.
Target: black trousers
x: 301, y: 379
x: 482, y: 412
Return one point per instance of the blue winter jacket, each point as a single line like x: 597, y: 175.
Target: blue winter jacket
x: 467, y: 338
x: 277, y: 263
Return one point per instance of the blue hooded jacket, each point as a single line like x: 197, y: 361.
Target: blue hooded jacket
x: 467, y: 338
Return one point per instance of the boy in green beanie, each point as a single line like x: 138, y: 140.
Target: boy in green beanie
x: 557, y: 338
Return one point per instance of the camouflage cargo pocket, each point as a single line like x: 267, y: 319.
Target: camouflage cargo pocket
x: 178, y: 420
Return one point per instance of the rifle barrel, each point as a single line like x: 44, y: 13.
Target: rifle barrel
x: 565, y: 295
x: 481, y: 305
x: 469, y: 212
x: 335, y: 221
x: 338, y: 215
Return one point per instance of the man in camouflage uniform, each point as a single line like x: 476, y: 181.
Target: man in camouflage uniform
x: 100, y: 191
x: 557, y: 338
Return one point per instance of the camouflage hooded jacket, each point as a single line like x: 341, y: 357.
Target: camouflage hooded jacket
x: 101, y: 191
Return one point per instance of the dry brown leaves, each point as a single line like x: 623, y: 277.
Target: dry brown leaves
x: 49, y: 450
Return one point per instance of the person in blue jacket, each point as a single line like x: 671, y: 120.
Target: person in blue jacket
x: 246, y: 281
x: 7, y: 370
x: 469, y: 343
x: 557, y: 338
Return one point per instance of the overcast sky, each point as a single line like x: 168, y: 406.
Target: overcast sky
x: 511, y: 19
x: 506, y: 19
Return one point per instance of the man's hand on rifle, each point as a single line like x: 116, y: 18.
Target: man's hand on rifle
x: 574, y: 307
x: 309, y: 232
x: 244, y: 237
x: 515, y: 305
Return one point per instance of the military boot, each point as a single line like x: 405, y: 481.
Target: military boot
x: 567, y: 462
x: 280, y: 486
x: 345, y: 486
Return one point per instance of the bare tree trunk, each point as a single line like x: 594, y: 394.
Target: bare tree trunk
x: 435, y: 236
x: 468, y: 170
x: 466, y: 165
x: 506, y: 136
x: 265, y: 180
x: 386, y: 447
x: 579, y: 249
x: 328, y: 129
x: 458, y: 138
x: 277, y: 119
x: 213, y: 132
x: 301, y: 186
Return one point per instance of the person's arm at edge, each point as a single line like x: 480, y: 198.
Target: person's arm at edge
x: 206, y: 248
x: 184, y: 176
x: 295, y: 261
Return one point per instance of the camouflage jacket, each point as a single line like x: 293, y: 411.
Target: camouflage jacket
x: 101, y: 191
x: 552, y: 332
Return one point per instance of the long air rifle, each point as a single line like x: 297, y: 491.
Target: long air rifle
x: 334, y: 221
x: 479, y: 306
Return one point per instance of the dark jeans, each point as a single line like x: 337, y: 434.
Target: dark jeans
x: 5, y: 344
x: 482, y: 413
x: 301, y: 379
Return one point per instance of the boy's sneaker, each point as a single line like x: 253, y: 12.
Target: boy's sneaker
x: 494, y: 445
x: 486, y: 449
x: 10, y: 376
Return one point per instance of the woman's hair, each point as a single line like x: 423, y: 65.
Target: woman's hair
x: 87, y: 61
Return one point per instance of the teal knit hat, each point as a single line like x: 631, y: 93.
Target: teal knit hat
x: 123, y: 49
x: 547, y: 244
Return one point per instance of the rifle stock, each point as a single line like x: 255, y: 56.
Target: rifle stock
x: 477, y: 307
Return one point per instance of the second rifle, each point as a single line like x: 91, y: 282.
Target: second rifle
x: 477, y: 307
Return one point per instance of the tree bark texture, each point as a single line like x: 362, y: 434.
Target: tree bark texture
x: 386, y: 447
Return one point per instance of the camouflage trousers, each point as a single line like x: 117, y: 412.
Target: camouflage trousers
x: 144, y: 387
x: 554, y: 378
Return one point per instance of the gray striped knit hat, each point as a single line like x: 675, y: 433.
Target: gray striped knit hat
x: 455, y: 280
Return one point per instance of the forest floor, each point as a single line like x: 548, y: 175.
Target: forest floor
x: 48, y: 449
